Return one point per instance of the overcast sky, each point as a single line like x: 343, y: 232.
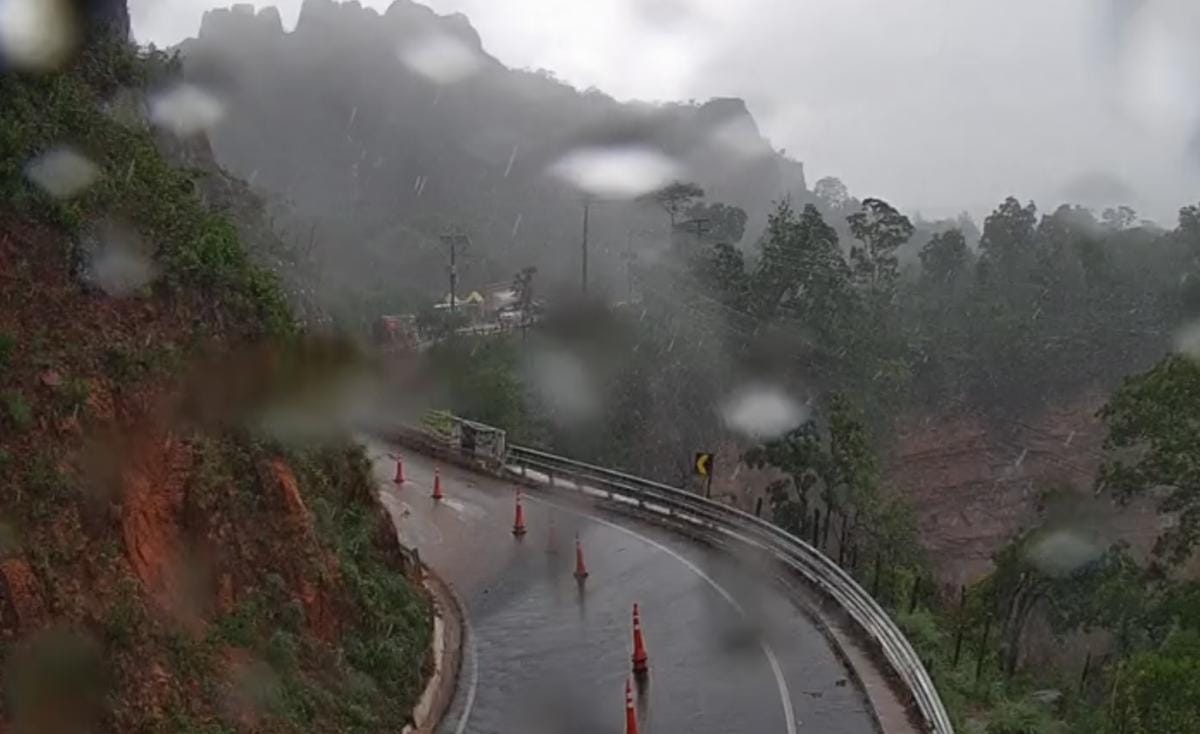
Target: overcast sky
x: 936, y: 105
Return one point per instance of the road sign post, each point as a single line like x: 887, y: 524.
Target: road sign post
x: 703, y: 466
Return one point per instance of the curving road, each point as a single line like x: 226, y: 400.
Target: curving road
x: 729, y: 651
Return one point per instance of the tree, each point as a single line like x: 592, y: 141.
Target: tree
x: 838, y: 464
x: 1008, y: 233
x: 944, y: 255
x: 675, y: 198
x: 1154, y: 426
x: 726, y: 223
x: 1119, y: 218
x: 522, y: 285
x: 801, y: 269
x: 831, y: 192
x: 881, y: 230
x: 1158, y: 692
x: 723, y: 273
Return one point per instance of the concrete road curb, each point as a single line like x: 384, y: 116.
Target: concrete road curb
x: 446, y: 650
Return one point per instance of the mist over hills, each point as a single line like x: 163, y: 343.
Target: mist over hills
x: 375, y: 133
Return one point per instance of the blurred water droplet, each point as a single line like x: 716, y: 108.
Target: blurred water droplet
x: 120, y: 262
x: 1062, y: 552
x: 37, y: 35
x: 762, y: 412
x: 1187, y: 340
x: 254, y: 690
x: 616, y: 171
x: 186, y: 110
x: 62, y: 172
x: 516, y: 225
x: 563, y: 381
x: 440, y: 58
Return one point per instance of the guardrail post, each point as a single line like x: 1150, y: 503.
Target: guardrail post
x: 758, y: 507
x: 816, y: 540
x: 550, y: 476
x: 524, y: 470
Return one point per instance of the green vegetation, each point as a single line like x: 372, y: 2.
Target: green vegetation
x: 8, y: 343
x: 325, y: 630
x: 17, y: 411
x: 481, y: 380
x: 199, y: 249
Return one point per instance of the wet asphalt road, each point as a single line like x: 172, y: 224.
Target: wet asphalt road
x: 729, y: 652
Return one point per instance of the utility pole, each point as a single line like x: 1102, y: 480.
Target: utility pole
x: 628, y: 258
x: 586, y: 205
x: 453, y: 241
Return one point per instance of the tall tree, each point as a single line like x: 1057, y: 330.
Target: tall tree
x: 944, y: 255
x: 801, y: 270
x: 1008, y: 233
x: 832, y: 193
x: 1118, y: 218
x: 1154, y: 429
x: 675, y: 198
x: 726, y: 223
x: 881, y: 230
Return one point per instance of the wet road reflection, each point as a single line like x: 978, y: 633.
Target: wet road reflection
x: 729, y: 652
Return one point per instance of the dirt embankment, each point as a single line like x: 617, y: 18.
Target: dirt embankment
x: 975, y: 481
x: 177, y: 566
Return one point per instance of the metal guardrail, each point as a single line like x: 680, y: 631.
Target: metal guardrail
x: 798, y: 555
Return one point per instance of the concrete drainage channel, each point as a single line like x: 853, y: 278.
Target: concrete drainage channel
x: 534, y: 468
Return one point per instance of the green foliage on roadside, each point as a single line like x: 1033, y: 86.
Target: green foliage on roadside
x: 481, y: 379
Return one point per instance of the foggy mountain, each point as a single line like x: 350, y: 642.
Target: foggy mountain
x: 380, y: 132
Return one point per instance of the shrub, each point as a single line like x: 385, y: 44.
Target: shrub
x: 16, y: 410
x: 8, y: 344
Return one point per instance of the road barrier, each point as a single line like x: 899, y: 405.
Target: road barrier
x: 796, y: 554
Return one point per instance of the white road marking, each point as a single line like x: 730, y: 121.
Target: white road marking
x: 785, y: 697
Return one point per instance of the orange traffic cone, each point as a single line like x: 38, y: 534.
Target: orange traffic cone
x: 519, y: 520
x: 437, y: 484
x: 631, y: 725
x: 641, y: 661
x: 580, y: 568
x: 399, y: 471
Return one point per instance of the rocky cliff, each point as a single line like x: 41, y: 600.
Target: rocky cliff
x: 383, y: 129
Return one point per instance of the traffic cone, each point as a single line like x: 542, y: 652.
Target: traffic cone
x: 631, y: 725
x: 641, y: 661
x: 519, y: 520
x: 437, y: 484
x: 399, y: 471
x: 580, y: 568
